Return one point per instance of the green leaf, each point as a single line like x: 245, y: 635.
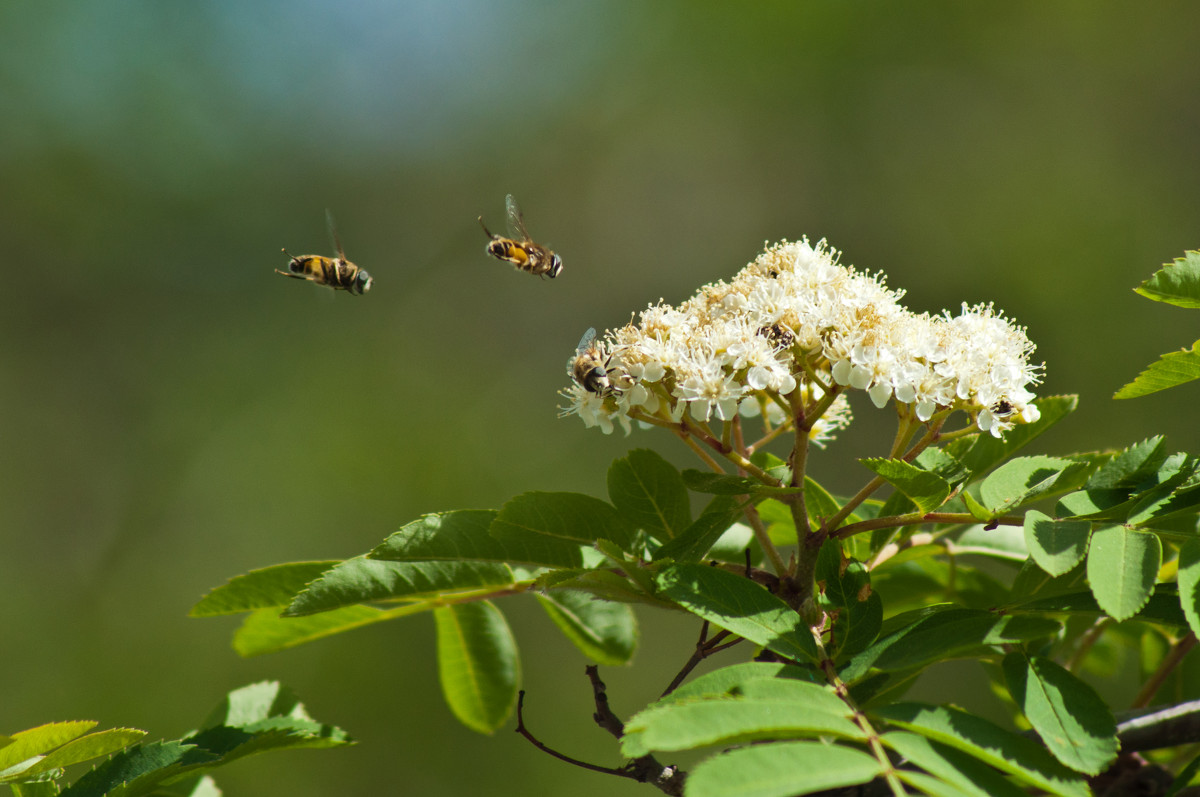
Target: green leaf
x: 1020, y: 480
x: 1002, y: 542
x: 1056, y: 545
x: 1177, y: 282
x: 1009, y: 752
x: 926, y: 490
x: 857, y: 626
x: 1158, y: 508
x: 1096, y: 504
x: 606, y: 632
x: 650, y: 493
x: 740, y: 606
x: 553, y: 528
x: 819, y: 504
x: 967, y: 776
x: 1169, y: 370
x: 260, y: 589
x: 702, y: 481
x: 777, y: 709
x: 86, y: 748
x: 698, y: 538
x: 936, y: 634
x: 458, y: 535
x: 477, y: 664
x: 722, y: 484
x: 38, y: 741
x: 726, y: 680
x: 363, y: 580
x: 279, y: 723
x: 265, y: 631
x: 1073, y: 721
x: 780, y: 770
x: 981, y: 453
x: 1131, y: 466
x: 1162, y: 607
x: 935, y: 460
x: 1122, y: 566
x: 1189, y: 582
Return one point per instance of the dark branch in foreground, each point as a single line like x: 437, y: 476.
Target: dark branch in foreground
x: 646, y: 769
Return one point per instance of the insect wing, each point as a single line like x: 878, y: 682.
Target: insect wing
x: 585, y: 342
x: 516, y: 222
x: 333, y: 235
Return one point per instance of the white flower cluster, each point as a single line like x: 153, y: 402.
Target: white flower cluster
x: 795, y: 319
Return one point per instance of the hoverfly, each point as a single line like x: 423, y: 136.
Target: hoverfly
x: 337, y: 273
x: 589, y: 368
x: 519, y: 249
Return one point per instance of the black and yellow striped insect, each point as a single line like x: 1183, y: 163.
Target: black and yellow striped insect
x: 337, y: 273
x: 589, y: 368
x: 519, y: 248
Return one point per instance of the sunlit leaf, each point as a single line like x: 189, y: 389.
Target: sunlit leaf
x: 457, y: 535
x: 766, y: 708
x: 1177, y: 282
x: 606, y: 632
x: 939, y: 634
x: 780, y: 770
x: 698, y: 538
x: 649, y: 491
x: 926, y: 490
x: 265, y: 631
x: 1021, y: 757
x: 728, y: 679
x: 740, y: 606
x: 1056, y: 545
x: 1122, y: 566
x: 1072, y: 720
x: 260, y: 717
x: 1189, y: 582
x: 41, y: 740
x: 477, y: 664
x: 1020, y: 480
x: 1131, y: 466
x: 554, y: 528
x: 363, y: 580
x: 1169, y: 370
x: 967, y: 776
x: 261, y: 589
x: 86, y: 748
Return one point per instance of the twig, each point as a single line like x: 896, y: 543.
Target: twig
x: 704, y: 648
x: 646, y: 769
x: 521, y: 729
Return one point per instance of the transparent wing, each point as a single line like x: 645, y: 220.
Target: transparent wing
x: 333, y: 236
x: 585, y: 342
x: 516, y: 222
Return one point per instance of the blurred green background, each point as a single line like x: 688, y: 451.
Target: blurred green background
x: 176, y: 414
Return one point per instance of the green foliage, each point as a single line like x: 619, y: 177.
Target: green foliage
x: 1177, y: 283
x: 1034, y: 568
x: 477, y: 664
x: 254, y: 719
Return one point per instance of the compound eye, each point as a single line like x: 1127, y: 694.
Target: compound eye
x: 555, y: 267
x: 363, y: 281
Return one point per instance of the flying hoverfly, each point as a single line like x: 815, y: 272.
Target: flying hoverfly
x: 589, y: 368
x: 337, y: 273
x: 519, y: 249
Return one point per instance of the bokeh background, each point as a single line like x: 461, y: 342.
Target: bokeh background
x: 174, y: 413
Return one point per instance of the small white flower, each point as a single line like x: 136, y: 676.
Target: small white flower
x: 734, y: 346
